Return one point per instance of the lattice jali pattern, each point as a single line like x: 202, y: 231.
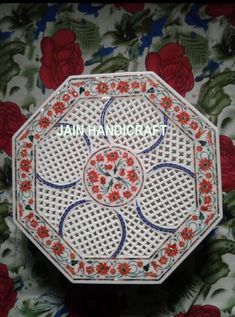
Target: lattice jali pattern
x: 52, y: 202
x: 60, y: 158
x: 134, y: 111
x: 174, y: 147
x: 141, y: 239
x: 168, y: 197
x: 85, y: 112
x: 93, y: 231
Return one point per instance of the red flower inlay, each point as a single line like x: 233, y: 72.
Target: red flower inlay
x: 124, y: 268
x: 112, y: 156
x: 187, y: 233
x: 163, y: 260
x: 102, y: 268
x: 127, y: 194
x: 100, y: 157
x: 25, y: 186
x: 114, y: 196
x: 102, y: 88
x: 42, y: 232
x: 183, y: 117
x: 59, y: 107
x: 95, y: 189
x: 205, y: 186
x: 130, y: 161
x: 108, y: 167
x: 44, y: 122
x: 123, y: 86
x: 102, y: 180
x: 205, y: 164
x: 171, y: 249
x: 166, y: 103
x: 90, y: 269
x: 93, y: 176
x: 25, y: 165
x: 132, y: 176
x: 58, y: 248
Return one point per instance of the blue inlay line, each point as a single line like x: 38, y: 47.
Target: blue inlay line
x: 102, y: 116
x: 173, y: 165
x: 66, y: 212
x: 152, y: 225
x: 57, y: 186
x: 84, y: 135
x: 159, y: 140
x: 122, y: 222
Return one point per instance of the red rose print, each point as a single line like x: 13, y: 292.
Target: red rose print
x: 173, y: 66
x: 124, y: 268
x: 123, y: 86
x: 58, y: 248
x: 7, y: 292
x: 11, y: 119
x: 225, y: 9
x: 187, y: 233
x: 93, y: 176
x: 201, y: 311
x: 25, y: 165
x: 171, y: 249
x: 102, y: 268
x: 205, y: 164
x: 61, y: 57
x: 42, y: 232
x: 227, y: 156
x: 132, y: 176
x: 44, y: 122
x: 114, y: 196
x: 205, y: 186
x: 112, y: 156
x: 131, y: 7
x: 183, y: 117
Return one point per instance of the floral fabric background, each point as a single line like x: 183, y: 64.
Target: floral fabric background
x: 192, y: 47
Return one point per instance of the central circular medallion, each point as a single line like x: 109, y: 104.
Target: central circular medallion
x: 113, y: 176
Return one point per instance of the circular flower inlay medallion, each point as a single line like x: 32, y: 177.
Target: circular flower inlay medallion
x: 113, y: 176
